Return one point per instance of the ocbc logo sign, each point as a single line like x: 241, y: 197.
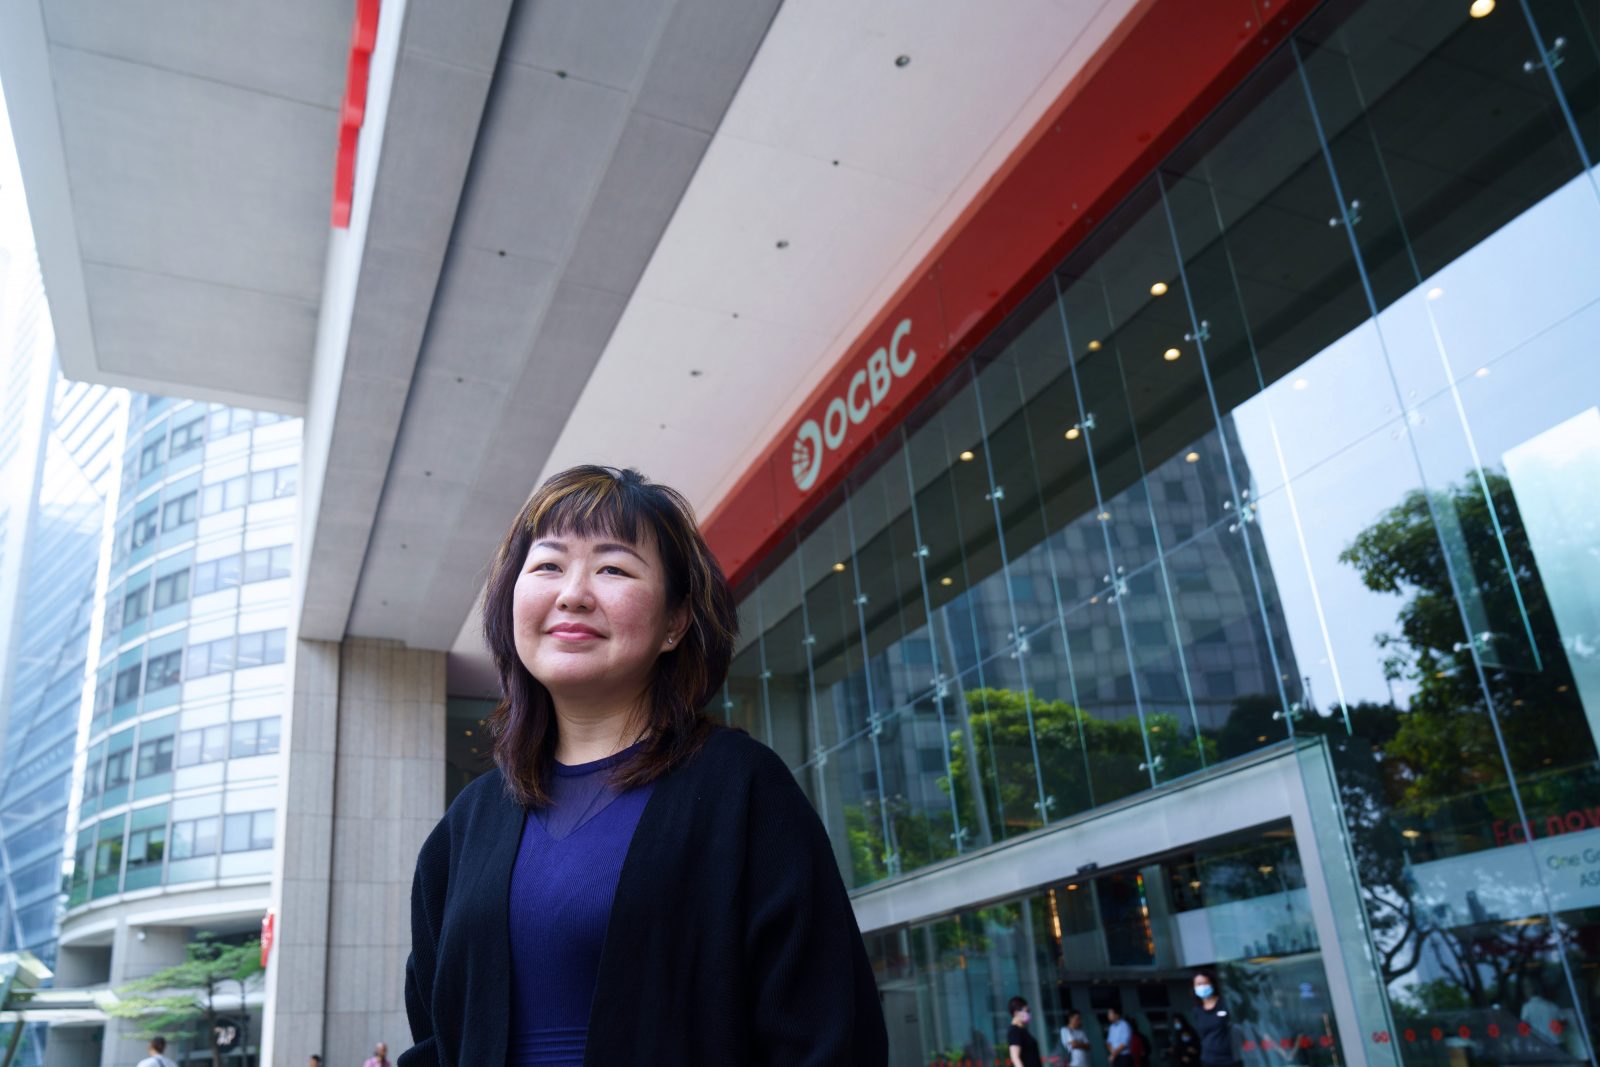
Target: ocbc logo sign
x: 866, y: 389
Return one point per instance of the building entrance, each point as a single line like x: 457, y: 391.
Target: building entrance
x: 1127, y: 941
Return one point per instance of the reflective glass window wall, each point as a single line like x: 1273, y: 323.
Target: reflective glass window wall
x: 1304, y: 442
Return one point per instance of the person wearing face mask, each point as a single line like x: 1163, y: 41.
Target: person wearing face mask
x: 1020, y: 1043
x: 1214, y: 1025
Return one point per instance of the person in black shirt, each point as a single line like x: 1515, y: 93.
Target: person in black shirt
x: 1214, y: 1025
x: 1024, y: 1049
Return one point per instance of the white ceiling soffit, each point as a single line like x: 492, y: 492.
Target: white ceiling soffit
x: 479, y: 335
x: 861, y: 165
x: 179, y: 169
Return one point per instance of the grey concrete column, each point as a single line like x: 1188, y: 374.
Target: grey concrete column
x: 296, y: 979
x: 363, y: 786
x: 388, y: 794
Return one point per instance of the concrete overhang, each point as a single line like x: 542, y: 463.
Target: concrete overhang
x: 564, y: 245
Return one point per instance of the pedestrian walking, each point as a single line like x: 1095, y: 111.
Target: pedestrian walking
x: 629, y: 855
x: 1021, y: 1045
x: 379, y: 1057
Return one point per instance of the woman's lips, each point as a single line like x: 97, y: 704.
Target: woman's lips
x: 573, y: 633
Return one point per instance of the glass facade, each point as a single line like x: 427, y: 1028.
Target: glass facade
x: 180, y: 758
x: 1300, y: 448
x: 43, y: 685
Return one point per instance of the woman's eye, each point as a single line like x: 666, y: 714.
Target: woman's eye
x: 611, y: 569
x: 542, y: 566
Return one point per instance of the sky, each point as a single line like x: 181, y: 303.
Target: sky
x: 15, y: 233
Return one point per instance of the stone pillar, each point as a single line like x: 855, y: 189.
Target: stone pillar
x: 297, y: 971
x: 363, y: 786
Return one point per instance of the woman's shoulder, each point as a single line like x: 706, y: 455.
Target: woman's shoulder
x: 731, y: 753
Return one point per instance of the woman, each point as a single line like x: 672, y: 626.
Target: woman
x: 633, y: 883
x: 1214, y: 1025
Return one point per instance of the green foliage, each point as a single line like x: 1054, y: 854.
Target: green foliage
x: 178, y: 1002
x: 1083, y: 760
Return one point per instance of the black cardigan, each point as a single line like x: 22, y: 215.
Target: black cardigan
x: 731, y: 938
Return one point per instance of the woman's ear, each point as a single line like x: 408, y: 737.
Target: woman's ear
x: 677, y: 625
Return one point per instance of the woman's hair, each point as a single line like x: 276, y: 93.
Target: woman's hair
x: 592, y: 501
x: 1016, y: 1004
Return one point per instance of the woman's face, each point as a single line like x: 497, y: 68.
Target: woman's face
x: 591, y: 616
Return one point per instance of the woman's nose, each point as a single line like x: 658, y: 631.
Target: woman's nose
x: 575, y: 591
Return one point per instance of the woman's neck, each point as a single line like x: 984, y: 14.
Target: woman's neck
x: 586, y: 732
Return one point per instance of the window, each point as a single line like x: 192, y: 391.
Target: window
x: 144, y: 526
x: 257, y: 737
x: 102, y: 695
x: 273, y: 484
x: 164, y: 670
x: 247, y: 831
x: 282, y: 560
x: 258, y: 565
x: 151, y: 457
x: 211, y: 657
x: 91, y: 779
x: 133, y: 605
x: 190, y: 435
x: 146, y: 847
x: 216, y: 574
x: 173, y: 589
x: 203, y: 746
x: 128, y: 683
x: 223, y: 496
x: 194, y: 837
x: 252, y: 650
x: 108, y: 858
x: 179, y: 512
x: 155, y: 757
x: 117, y: 767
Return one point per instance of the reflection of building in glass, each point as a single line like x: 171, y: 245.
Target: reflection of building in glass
x: 59, y: 479
x: 174, y: 825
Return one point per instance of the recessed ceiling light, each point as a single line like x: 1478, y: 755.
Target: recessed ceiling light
x: 1171, y: 355
x: 1265, y: 868
x: 1158, y: 289
x: 947, y: 580
x: 1410, y: 834
x: 1192, y: 457
x: 1104, y: 516
x: 1262, y: 739
x: 1300, y: 383
x: 838, y: 567
x: 1072, y: 887
x: 1480, y: 8
x: 905, y: 61
x: 1435, y: 293
x: 966, y: 457
x: 1481, y: 372
x: 1094, y: 346
x: 1073, y: 433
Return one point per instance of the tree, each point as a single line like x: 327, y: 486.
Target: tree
x: 181, y: 1000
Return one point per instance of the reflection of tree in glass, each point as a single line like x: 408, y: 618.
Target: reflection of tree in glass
x: 1428, y: 781
x: 1000, y: 750
x: 1445, y: 742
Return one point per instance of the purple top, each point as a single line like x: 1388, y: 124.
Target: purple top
x: 562, y: 886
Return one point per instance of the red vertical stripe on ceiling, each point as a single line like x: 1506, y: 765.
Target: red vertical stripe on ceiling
x: 1163, y: 69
